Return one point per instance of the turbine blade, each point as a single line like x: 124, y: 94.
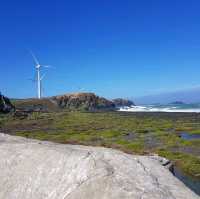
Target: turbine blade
x: 42, y: 77
x: 34, y: 58
x: 46, y: 66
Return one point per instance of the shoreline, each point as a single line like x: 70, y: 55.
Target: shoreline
x: 160, y: 108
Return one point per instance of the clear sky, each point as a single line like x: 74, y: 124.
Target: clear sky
x: 115, y: 48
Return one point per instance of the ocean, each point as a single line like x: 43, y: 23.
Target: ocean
x: 192, y: 108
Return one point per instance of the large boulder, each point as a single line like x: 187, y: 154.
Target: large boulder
x: 119, y: 102
x: 83, y: 101
x: 5, y: 104
x: 33, y: 169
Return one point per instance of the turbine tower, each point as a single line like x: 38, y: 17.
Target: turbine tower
x: 39, y: 78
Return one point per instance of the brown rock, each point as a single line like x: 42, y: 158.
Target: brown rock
x: 83, y: 101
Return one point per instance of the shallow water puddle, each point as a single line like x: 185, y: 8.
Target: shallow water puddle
x: 191, y: 182
x: 188, y: 136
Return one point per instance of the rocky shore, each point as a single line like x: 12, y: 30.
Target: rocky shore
x: 71, y: 101
x: 33, y: 169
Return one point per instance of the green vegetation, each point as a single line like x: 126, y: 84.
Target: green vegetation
x: 195, y: 131
x: 141, y: 133
x: 189, y: 163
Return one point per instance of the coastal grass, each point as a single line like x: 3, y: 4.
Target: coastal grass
x: 189, y: 163
x: 135, y: 133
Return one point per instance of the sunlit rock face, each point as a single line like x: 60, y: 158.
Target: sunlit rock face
x: 73, y: 101
x: 33, y: 169
x: 83, y: 101
x: 5, y: 104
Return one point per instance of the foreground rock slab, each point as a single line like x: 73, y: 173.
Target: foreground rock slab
x: 31, y: 169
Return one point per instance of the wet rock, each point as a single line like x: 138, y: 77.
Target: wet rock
x: 162, y: 160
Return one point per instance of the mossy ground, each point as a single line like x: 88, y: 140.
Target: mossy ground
x: 140, y: 133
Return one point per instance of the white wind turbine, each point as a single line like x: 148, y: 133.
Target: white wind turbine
x: 39, y: 77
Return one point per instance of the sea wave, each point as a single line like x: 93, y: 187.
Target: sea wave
x: 159, y: 109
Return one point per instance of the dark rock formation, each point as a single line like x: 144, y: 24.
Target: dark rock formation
x: 123, y: 102
x: 5, y: 104
x: 83, y: 101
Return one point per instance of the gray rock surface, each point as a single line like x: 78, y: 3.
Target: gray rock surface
x: 31, y: 169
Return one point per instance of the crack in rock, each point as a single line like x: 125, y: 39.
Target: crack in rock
x: 155, y: 181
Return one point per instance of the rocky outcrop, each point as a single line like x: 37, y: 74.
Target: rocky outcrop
x: 5, y: 104
x: 83, y: 101
x: 119, y: 102
x: 33, y: 169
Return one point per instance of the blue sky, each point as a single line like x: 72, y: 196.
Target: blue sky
x: 115, y: 48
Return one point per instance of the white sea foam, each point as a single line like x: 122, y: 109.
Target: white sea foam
x: 159, y: 109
